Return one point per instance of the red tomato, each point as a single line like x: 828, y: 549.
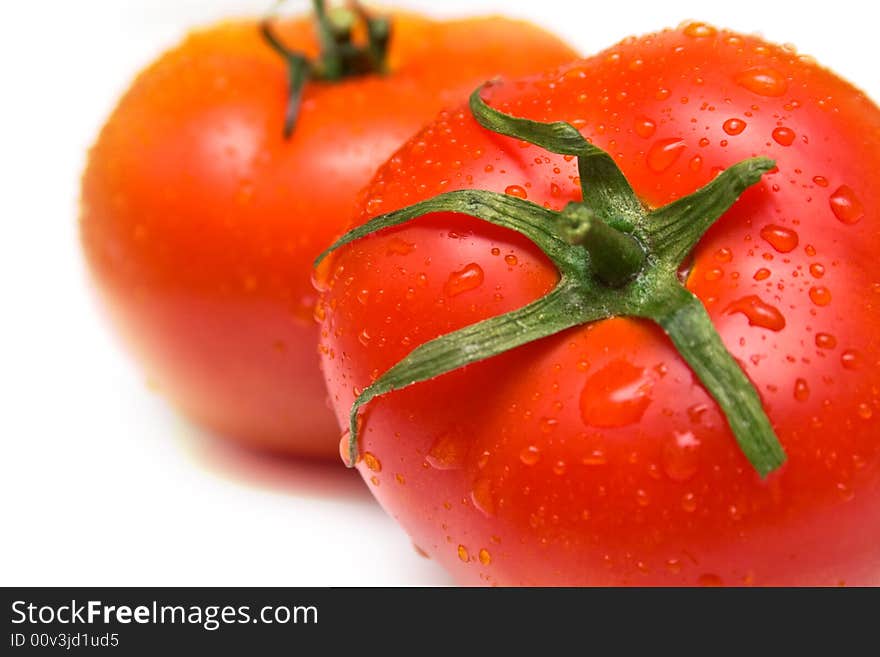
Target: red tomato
x: 595, y: 456
x: 200, y: 221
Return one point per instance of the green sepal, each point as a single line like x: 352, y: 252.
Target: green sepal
x: 674, y: 229
x: 525, y: 217
x: 560, y: 309
x: 686, y: 322
x: 605, y: 189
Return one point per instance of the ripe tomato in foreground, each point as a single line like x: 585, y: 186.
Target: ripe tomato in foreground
x: 200, y: 220
x: 597, y: 455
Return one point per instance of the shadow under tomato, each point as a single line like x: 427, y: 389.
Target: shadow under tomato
x: 302, y: 477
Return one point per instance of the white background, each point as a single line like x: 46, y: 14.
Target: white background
x: 101, y: 483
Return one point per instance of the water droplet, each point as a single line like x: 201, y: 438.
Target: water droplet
x: 485, y: 557
x: 482, y: 496
x: 530, y: 455
x: 763, y: 81
x: 817, y: 270
x: 343, y: 448
x: 548, y: 424
x: 374, y: 480
x: 400, y: 479
x: 448, y: 452
x: 724, y: 255
x: 780, y: 238
x: 689, y: 502
x: 695, y: 163
x: 664, y: 153
x: 321, y: 275
x: 616, y: 395
x: 697, y: 30
x: 710, y: 579
x: 762, y: 274
x: 820, y: 295
x: 645, y: 127
x: 397, y: 246
x: 511, y: 260
x: 865, y: 411
x: 822, y: 181
x: 845, y: 491
x: 673, y: 566
x: 783, y: 136
x: 825, y: 341
x: 372, y: 462
x: 680, y: 456
x: 364, y: 337
x: 846, y: 206
x: 595, y: 457
x: 642, y: 498
x: 463, y: 553
x: 464, y: 280
x: 516, y: 190
x: 758, y: 313
x: 801, y: 390
x: 851, y: 359
x: 734, y: 126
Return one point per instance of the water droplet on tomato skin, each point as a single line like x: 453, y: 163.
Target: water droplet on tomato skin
x: 825, y: 341
x: 372, y: 462
x: 846, y: 206
x: 801, y: 390
x: 595, y: 457
x: 817, y: 270
x: 733, y: 126
x: 530, y: 455
x: 448, y: 451
x: 664, y: 153
x: 724, y: 255
x: 397, y: 246
x: 689, y: 502
x: 511, y: 260
x: 865, y: 411
x: 464, y: 280
x: 780, y: 238
x: 644, y: 127
x: 343, y: 448
x: 758, y: 312
x: 762, y: 274
x: 463, y: 553
x: 710, y: 579
x: 680, y: 456
x: 820, y: 295
x: 699, y: 30
x: 617, y: 395
x: 851, y: 359
x: 516, y: 190
x: 763, y: 81
x: 485, y: 557
x: 783, y: 136
x: 483, y: 497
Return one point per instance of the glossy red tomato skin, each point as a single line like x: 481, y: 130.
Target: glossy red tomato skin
x: 200, y: 222
x: 501, y: 471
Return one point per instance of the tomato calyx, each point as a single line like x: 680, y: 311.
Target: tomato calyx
x: 615, y: 258
x: 340, y: 57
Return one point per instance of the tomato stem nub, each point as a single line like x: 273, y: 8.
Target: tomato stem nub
x: 340, y: 57
x: 615, y: 259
